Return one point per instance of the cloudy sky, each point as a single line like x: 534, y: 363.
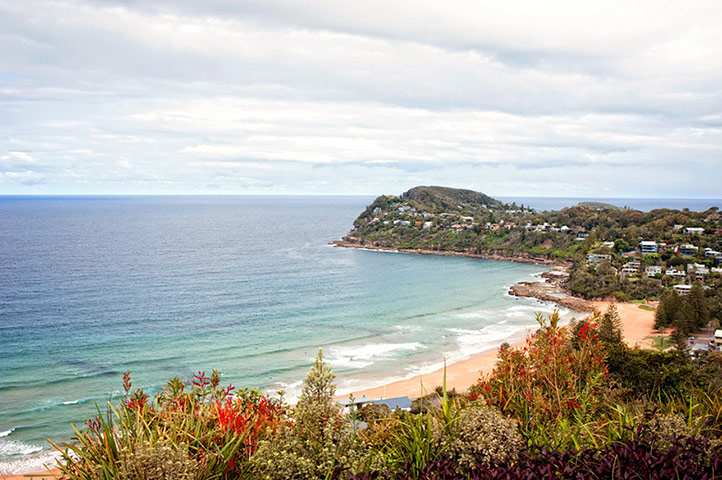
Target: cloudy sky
x: 596, y: 99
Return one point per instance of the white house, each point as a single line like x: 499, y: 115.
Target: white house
x: 683, y: 289
x: 673, y: 272
x: 694, y: 230
x: 653, y: 270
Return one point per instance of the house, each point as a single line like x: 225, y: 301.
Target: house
x: 653, y: 270
x: 673, y: 272
x: 698, y: 270
x: 597, y: 257
x: 582, y: 235
x: 688, y: 250
x: 648, y: 247
x: 608, y: 244
x: 716, y: 269
x: 418, y: 223
x: 713, y: 216
x: 630, y: 268
x: 683, y: 289
x: 428, y: 225
x: 694, y: 231
x: 405, y: 223
x: 717, y: 340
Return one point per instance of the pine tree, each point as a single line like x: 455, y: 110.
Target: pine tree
x: 669, y: 304
x: 698, y: 308
x: 610, y: 326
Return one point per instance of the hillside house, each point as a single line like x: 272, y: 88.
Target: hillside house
x: 653, y: 270
x: 683, y: 289
x: 648, y: 247
x: 694, y: 231
x: 673, y: 272
x: 597, y: 257
x: 688, y: 250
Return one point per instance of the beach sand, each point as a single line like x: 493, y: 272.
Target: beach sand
x: 638, y: 330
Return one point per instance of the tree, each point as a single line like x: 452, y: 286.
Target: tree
x: 610, y: 326
x: 697, y: 307
x: 620, y: 245
x: 669, y: 304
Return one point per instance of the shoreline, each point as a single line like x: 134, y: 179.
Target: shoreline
x: 637, y: 324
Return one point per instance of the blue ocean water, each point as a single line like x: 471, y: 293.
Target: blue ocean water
x: 91, y: 287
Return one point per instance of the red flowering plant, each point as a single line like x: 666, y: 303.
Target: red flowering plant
x: 213, y: 430
x: 547, y: 381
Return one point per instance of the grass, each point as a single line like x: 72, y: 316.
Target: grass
x: 662, y: 343
x: 647, y: 307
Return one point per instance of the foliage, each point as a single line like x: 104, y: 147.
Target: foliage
x: 687, y: 458
x: 480, y: 436
x: 318, y: 441
x: 202, y: 432
x: 609, y: 328
x: 547, y: 382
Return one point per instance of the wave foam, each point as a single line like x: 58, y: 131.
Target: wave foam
x: 360, y: 356
x: 10, y: 448
x: 6, y: 433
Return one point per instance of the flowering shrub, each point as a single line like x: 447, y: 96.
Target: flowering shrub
x: 547, y: 380
x: 205, y: 431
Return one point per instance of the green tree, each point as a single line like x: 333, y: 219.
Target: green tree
x: 621, y: 245
x: 610, y: 326
x: 320, y: 439
x: 669, y: 304
x: 698, y: 307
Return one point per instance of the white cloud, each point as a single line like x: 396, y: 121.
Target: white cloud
x: 346, y: 97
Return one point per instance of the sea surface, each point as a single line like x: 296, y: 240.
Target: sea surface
x: 92, y: 287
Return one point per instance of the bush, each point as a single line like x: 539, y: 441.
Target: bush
x: 317, y: 443
x: 480, y: 436
x: 203, y: 432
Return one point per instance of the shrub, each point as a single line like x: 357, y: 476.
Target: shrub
x: 547, y: 380
x: 203, y: 432
x: 480, y: 436
x: 157, y: 462
x: 317, y: 443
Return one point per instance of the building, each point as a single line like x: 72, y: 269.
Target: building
x: 698, y: 270
x: 673, y: 272
x: 694, y: 230
x: 688, y: 250
x: 653, y: 270
x: 683, y: 289
x: 717, y: 340
x: 648, y: 248
x: 597, y: 257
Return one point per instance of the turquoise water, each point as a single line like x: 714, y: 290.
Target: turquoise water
x: 164, y: 286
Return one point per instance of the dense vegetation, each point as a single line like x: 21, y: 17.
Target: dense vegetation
x: 686, y: 244
x: 573, y: 402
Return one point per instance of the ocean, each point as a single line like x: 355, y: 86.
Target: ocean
x: 92, y: 287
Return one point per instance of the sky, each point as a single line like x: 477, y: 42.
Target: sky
x: 337, y: 97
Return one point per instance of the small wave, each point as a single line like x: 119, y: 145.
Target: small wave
x: 9, y: 448
x: 474, y: 341
x: 6, y: 433
x: 71, y: 402
x: 360, y: 356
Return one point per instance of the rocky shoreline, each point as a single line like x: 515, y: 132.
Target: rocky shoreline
x: 550, y: 289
